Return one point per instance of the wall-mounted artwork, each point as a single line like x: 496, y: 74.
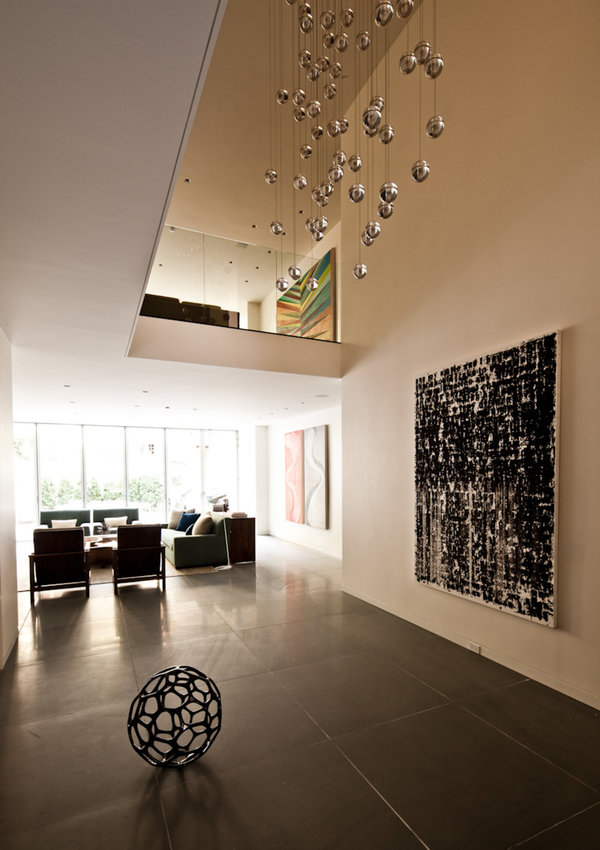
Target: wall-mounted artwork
x: 310, y: 313
x: 294, y: 477
x: 316, y: 499
x: 486, y: 437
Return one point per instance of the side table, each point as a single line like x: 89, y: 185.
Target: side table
x: 242, y: 543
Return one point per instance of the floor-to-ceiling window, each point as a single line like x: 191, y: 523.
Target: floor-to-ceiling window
x: 26, y: 483
x: 104, y: 464
x: 60, y: 466
x: 154, y: 469
x: 219, y: 458
x: 184, y: 470
x: 146, y: 471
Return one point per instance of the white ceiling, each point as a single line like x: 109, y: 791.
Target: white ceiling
x: 97, y: 100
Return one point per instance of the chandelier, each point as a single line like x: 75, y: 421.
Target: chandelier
x: 331, y: 112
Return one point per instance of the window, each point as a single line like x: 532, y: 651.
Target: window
x: 26, y: 499
x: 184, y: 469
x: 146, y: 472
x: 154, y: 469
x: 104, y: 465
x: 220, y: 465
x: 60, y: 466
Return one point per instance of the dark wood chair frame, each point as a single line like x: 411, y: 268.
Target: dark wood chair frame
x: 39, y: 558
x: 161, y: 574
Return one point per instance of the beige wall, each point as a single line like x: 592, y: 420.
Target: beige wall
x: 8, y: 563
x: 501, y: 244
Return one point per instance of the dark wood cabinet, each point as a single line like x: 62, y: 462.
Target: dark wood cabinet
x: 242, y: 544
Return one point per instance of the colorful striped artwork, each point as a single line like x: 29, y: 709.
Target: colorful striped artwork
x: 294, y: 477
x: 306, y: 313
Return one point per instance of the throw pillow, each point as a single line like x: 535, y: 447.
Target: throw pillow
x: 176, y: 516
x: 174, y: 519
x: 64, y: 523
x: 203, y: 525
x: 186, y: 520
x: 114, y: 521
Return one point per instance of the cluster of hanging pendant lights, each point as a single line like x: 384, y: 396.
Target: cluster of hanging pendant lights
x: 333, y: 48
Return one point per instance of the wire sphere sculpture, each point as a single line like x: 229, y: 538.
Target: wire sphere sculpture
x: 175, y: 717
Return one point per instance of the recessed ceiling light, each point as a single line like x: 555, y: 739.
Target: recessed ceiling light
x: 256, y: 267
x: 253, y: 227
x: 66, y: 385
x: 167, y: 407
x: 322, y: 395
x: 171, y: 229
x: 136, y: 405
x: 187, y: 180
x: 145, y: 391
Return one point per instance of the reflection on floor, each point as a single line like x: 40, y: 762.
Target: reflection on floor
x: 343, y: 726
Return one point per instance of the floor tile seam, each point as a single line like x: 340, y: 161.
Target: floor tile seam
x: 47, y: 659
x: 529, y: 749
x: 316, y: 661
x: 497, y: 689
x: 380, y: 723
x: 239, y: 633
x: 554, y: 825
x: 284, y: 622
x: 223, y: 618
x: 9, y: 831
x: 382, y: 797
x: 360, y: 728
x: 163, y: 812
x: 302, y: 708
x: 68, y: 652
x: 349, y: 634
x: 50, y: 718
x: 244, y: 764
x: 414, y: 676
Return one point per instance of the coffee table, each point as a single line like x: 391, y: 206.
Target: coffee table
x: 100, y: 549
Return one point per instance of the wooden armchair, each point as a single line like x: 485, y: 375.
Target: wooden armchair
x: 139, y: 555
x: 59, y: 560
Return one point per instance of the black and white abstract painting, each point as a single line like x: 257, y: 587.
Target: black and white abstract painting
x: 486, y: 436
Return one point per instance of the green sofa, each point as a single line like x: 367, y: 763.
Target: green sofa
x: 81, y: 517
x: 199, y: 550
x: 100, y: 514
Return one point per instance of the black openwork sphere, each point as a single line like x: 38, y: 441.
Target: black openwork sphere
x: 175, y: 717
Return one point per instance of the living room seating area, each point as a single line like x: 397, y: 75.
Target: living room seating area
x: 195, y: 540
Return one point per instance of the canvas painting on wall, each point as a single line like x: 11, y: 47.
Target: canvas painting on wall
x: 310, y: 313
x: 294, y: 477
x: 486, y: 478
x: 316, y: 497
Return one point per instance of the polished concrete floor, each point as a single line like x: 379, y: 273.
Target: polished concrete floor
x: 343, y: 726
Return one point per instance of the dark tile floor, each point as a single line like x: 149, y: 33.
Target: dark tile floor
x: 343, y: 726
